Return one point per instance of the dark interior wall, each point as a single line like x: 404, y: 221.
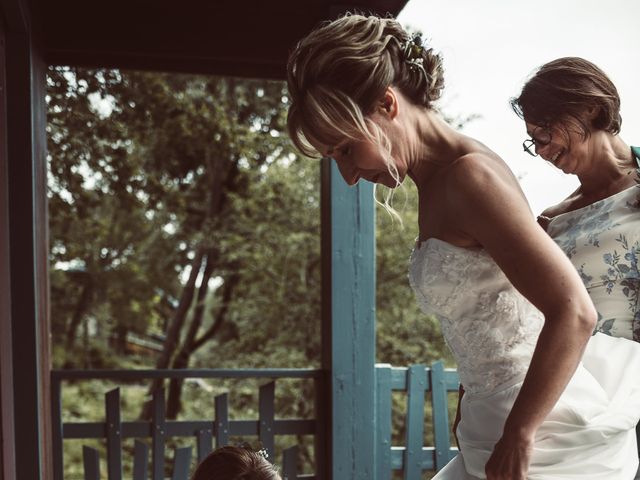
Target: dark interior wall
x: 7, y: 458
x: 26, y: 227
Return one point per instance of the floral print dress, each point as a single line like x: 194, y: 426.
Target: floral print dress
x: 602, y: 240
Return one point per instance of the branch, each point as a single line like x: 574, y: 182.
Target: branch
x: 229, y: 287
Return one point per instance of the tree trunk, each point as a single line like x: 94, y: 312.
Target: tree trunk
x: 120, y: 339
x: 81, y: 307
x: 174, y: 401
x: 182, y: 358
x: 173, y: 334
x: 191, y: 344
x: 217, y: 175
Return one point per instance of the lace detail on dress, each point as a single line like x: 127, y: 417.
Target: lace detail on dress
x: 488, y: 325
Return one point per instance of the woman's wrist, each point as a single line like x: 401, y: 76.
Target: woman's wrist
x: 519, y: 432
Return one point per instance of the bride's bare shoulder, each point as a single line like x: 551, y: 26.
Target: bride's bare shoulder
x: 479, y: 170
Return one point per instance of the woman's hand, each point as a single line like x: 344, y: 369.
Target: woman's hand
x: 510, y: 458
x: 544, y: 222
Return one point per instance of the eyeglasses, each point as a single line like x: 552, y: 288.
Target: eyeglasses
x: 541, y: 136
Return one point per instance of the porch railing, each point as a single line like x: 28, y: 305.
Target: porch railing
x: 417, y: 381
x: 220, y: 427
x: 413, y: 459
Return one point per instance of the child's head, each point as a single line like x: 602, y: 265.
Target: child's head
x: 235, y: 463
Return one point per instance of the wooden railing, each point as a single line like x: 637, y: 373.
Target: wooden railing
x: 416, y: 381
x: 158, y: 429
x: 413, y: 458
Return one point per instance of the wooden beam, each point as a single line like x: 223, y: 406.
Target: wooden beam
x: 250, y: 38
x: 349, y: 322
x: 16, y: 15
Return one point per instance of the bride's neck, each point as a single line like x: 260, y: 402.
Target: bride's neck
x: 433, y: 143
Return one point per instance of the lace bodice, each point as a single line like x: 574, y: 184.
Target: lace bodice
x: 489, y: 326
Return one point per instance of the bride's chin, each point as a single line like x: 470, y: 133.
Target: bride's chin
x: 389, y: 184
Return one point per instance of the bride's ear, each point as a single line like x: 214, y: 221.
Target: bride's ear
x: 388, y: 105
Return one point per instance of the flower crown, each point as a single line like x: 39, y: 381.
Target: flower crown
x: 412, y: 50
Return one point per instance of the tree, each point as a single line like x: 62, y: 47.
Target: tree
x: 178, y: 206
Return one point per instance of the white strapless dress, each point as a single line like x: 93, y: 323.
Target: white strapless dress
x: 492, y: 331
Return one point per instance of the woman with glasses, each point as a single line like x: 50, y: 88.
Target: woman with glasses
x: 512, y: 308
x: 572, y: 115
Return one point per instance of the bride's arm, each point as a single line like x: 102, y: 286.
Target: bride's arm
x: 486, y: 203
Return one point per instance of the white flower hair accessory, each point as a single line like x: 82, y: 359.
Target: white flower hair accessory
x: 412, y: 51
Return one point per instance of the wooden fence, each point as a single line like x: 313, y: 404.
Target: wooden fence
x: 416, y: 381
x: 158, y: 429
x: 413, y: 459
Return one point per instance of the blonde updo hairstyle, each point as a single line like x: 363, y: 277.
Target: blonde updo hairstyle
x: 339, y: 72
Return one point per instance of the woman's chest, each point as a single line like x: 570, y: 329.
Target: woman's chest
x: 602, y: 241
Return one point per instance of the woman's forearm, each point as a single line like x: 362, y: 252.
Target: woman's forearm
x: 557, y: 354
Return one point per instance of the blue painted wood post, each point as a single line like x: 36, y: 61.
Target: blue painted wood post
x: 181, y: 463
x: 204, y: 442
x: 266, y: 413
x: 57, y: 429
x: 440, y: 403
x: 348, y: 248
x: 141, y: 461
x: 383, y: 421
x: 158, y: 435
x: 416, y: 385
x: 91, y: 460
x: 290, y: 463
x: 222, y: 420
x: 114, y: 434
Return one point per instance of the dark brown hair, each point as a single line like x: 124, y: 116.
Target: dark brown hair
x: 235, y: 463
x: 561, y: 93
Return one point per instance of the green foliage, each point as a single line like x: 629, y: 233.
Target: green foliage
x: 151, y: 172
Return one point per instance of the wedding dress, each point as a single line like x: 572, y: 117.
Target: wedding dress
x: 492, y: 331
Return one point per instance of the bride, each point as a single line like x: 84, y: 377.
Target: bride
x: 544, y: 399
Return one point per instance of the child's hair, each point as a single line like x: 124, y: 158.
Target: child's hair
x: 235, y: 463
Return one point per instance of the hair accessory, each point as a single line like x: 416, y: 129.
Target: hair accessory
x: 412, y: 51
x: 263, y: 453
